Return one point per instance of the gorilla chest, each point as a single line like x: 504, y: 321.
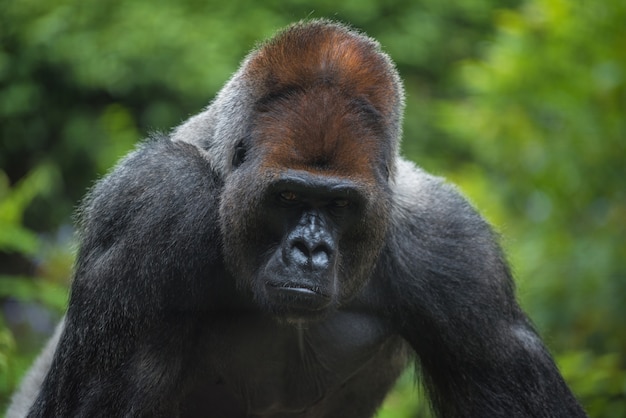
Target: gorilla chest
x: 269, y: 368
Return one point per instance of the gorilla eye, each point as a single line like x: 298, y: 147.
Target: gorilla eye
x: 288, y: 197
x: 341, y: 203
x: 240, y: 154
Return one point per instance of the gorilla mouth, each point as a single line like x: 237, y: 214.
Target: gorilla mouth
x: 297, y: 298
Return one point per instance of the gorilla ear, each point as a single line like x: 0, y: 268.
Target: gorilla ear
x: 240, y: 154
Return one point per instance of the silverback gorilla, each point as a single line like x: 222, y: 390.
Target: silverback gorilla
x: 274, y: 256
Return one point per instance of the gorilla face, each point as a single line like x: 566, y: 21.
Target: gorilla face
x: 304, y: 238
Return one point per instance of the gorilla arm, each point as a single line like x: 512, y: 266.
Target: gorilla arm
x: 454, y: 303
x: 148, y: 232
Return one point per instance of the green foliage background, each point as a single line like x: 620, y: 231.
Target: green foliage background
x: 522, y: 103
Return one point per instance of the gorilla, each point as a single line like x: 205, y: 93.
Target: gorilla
x: 275, y: 256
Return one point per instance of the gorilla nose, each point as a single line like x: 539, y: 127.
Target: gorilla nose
x: 314, y: 255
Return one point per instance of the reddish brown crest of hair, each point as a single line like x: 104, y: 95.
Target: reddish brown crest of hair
x: 327, y: 100
x: 322, y: 52
x: 322, y: 131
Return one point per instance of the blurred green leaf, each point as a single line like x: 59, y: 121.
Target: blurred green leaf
x: 28, y: 289
x: 13, y: 203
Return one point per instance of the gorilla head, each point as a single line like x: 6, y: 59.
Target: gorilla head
x: 306, y: 202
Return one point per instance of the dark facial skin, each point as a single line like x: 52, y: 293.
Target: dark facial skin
x: 310, y: 214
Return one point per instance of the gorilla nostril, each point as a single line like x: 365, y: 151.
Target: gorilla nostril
x: 317, y: 258
x: 300, y: 252
x: 320, y: 257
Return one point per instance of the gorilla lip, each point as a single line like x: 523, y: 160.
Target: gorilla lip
x: 299, y: 297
